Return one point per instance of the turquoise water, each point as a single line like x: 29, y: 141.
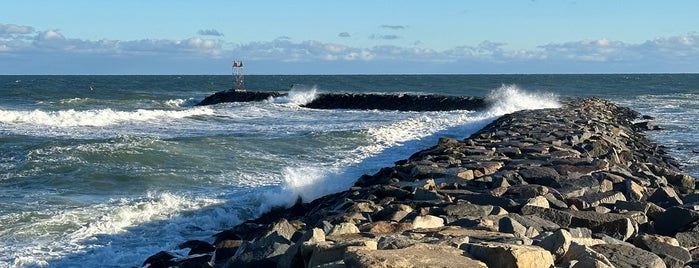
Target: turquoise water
x: 109, y: 176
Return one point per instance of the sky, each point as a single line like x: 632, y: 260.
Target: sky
x: 348, y: 37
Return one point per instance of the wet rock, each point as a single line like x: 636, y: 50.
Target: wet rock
x: 161, y: 259
x: 197, y: 247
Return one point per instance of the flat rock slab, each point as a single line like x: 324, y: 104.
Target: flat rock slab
x: 419, y: 255
x: 625, y: 256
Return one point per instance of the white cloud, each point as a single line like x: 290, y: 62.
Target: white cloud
x: 7, y: 29
x: 673, y: 53
x: 211, y: 32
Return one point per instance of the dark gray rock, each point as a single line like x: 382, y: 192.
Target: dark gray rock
x: 688, y: 239
x: 509, y: 225
x: 660, y: 246
x: 562, y: 218
x: 675, y: 219
x: 665, y: 197
x: 546, y: 176
x: 625, y: 256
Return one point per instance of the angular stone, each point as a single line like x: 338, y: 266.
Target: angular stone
x: 674, y: 219
x: 579, y: 187
x: 562, y: 218
x: 618, y: 226
x: 395, y: 241
x: 422, y: 194
x: 688, y: 239
x: 508, y: 255
x: 596, y: 199
x: 540, y: 175
x: 343, y: 228
x: 226, y: 249
x: 585, y: 257
x: 418, y: 255
x: 665, y: 197
x: 487, y: 199
x: 326, y: 254
x: 197, y: 247
x: 557, y: 243
x: 683, y: 181
x: 294, y: 256
x: 625, y: 256
x: 663, y: 247
x: 427, y: 221
x: 511, y: 226
x: 466, y: 174
x: 385, y: 227
x: 538, y: 201
x: 466, y: 209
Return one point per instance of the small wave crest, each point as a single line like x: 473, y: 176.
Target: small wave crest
x: 511, y: 98
x: 100, y: 117
x: 298, y: 95
x: 182, y: 102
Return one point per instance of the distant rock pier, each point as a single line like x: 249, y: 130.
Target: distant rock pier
x: 400, y: 102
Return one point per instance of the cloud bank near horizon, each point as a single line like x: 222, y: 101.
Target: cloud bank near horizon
x: 24, y: 50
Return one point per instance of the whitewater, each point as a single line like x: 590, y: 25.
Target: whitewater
x: 108, y: 179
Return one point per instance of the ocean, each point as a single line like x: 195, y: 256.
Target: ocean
x: 104, y: 171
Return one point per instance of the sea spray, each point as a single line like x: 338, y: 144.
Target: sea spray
x: 406, y: 137
x: 297, y: 96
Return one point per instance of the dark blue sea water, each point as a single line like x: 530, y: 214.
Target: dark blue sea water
x: 105, y: 177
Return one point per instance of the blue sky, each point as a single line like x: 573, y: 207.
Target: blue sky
x: 348, y: 37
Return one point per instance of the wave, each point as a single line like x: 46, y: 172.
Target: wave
x: 99, y: 229
x: 392, y: 141
x: 175, y: 103
x: 99, y: 118
x: 298, y: 95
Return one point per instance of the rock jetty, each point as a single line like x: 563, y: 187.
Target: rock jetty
x: 400, y: 102
x: 577, y: 186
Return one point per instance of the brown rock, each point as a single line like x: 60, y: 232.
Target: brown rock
x: 419, y: 255
x: 508, y: 255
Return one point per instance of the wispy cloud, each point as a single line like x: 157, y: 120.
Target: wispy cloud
x: 6, y: 29
x: 384, y: 37
x: 210, y: 32
x: 343, y: 34
x: 394, y: 27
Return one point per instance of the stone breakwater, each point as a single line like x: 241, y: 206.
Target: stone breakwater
x: 577, y: 186
x: 401, y: 102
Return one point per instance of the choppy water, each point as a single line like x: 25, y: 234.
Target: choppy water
x: 109, y: 176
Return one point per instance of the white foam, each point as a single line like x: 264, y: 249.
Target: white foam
x: 390, y: 143
x: 100, y: 117
x: 182, y: 102
x: 92, y: 230
x: 298, y: 95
